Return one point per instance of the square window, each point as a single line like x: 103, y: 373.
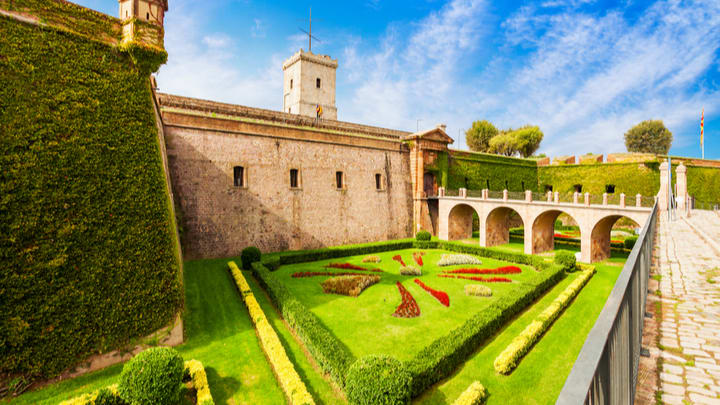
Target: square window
x: 339, y: 180
x: 291, y: 84
x: 294, y: 178
x: 378, y: 181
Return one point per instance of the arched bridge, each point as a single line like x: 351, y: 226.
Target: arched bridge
x: 455, y: 217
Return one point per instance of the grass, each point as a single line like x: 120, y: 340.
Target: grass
x: 541, y: 374
x: 364, y: 323
x: 219, y: 333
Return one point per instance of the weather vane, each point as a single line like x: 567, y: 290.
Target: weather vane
x: 309, y: 33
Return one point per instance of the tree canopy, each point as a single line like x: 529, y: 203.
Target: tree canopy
x: 523, y: 141
x: 649, y: 136
x: 479, y: 134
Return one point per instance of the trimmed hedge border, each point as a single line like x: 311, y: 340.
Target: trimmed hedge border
x: 287, y: 376
x: 523, y: 343
x: 332, y: 355
x: 437, y: 360
x: 192, y: 367
x: 475, y: 394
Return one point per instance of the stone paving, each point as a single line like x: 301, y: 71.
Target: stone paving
x: 689, y: 299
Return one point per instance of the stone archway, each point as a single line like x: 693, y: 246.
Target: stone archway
x: 543, y: 230
x: 497, y: 226
x: 460, y: 222
x: 601, y: 236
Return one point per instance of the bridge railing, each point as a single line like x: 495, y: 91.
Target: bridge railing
x: 605, y: 371
x: 562, y: 198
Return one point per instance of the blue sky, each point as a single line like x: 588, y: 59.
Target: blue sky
x: 583, y: 70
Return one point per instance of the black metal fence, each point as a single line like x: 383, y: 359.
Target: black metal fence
x: 605, y: 371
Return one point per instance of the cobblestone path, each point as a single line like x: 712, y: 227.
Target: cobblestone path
x: 687, y: 336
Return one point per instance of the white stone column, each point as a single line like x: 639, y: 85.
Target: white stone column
x: 622, y: 200
x: 528, y: 196
x: 663, y: 193
x: 441, y: 191
x: 587, y: 198
x: 604, y: 198
x: 556, y: 197
x: 505, y: 195
x: 638, y: 200
x: 575, y: 197
x: 681, y: 183
x: 463, y: 192
x: 549, y: 196
x: 485, y: 194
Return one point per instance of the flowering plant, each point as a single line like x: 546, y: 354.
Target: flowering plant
x: 439, y: 295
x: 408, y: 308
x: 399, y: 259
x: 499, y: 270
x: 452, y: 260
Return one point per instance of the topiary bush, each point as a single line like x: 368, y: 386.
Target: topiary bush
x: 566, y: 259
x: 152, y: 377
x: 378, y: 380
x: 630, y: 242
x: 423, y: 235
x: 249, y: 256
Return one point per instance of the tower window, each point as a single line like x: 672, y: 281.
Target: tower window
x: 291, y: 84
x: 610, y: 189
x: 147, y: 16
x: 294, y: 178
x: 239, y: 176
x: 339, y: 180
x: 378, y: 181
x: 317, y: 82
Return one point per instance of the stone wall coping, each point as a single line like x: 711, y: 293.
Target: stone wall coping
x: 186, y: 105
x: 548, y: 204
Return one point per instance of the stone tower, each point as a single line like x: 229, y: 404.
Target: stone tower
x: 152, y: 11
x: 309, y: 81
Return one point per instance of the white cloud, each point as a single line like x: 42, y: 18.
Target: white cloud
x: 258, y: 29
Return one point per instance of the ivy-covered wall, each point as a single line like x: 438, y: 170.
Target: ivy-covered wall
x: 476, y: 171
x: 628, y: 178
x: 704, y: 184
x: 87, y: 243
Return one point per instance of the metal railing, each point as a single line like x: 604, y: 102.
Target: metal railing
x: 704, y: 205
x: 516, y: 195
x: 495, y: 194
x: 605, y: 371
x: 452, y: 192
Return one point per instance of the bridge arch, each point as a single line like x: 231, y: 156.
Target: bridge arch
x: 460, y: 222
x: 497, y: 225
x: 543, y: 230
x: 601, y: 236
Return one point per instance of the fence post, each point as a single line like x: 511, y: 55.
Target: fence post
x: 604, y: 198
x: 441, y: 191
x: 622, y: 200
x: 463, y: 192
x: 549, y: 196
x: 575, y: 197
x: 557, y: 197
x: 485, y: 194
x: 505, y: 195
x: 528, y: 196
x: 638, y: 200
x: 587, y: 198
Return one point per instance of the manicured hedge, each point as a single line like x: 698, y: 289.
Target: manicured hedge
x: 481, y: 168
x: 378, y: 380
x: 442, y: 357
x: 629, y: 178
x: 332, y: 355
x: 511, y: 356
x: 565, y: 259
x: 287, y: 376
x: 87, y: 239
x: 152, y: 377
x: 475, y: 394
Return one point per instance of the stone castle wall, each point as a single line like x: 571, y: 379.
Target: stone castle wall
x: 219, y: 219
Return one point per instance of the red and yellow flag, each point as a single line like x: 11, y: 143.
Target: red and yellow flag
x: 702, y: 127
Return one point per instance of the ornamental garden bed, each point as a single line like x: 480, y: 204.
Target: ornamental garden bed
x: 366, y: 325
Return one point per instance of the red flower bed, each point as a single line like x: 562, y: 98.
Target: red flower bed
x: 418, y: 257
x: 399, y: 259
x: 348, y: 266
x: 408, y: 308
x: 439, y: 295
x: 499, y: 270
x: 476, y: 278
x: 303, y: 274
x: 559, y: 235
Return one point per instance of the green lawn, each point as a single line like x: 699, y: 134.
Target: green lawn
x: 219, y: 333
x: 541, y: 374
x: 365, y: 325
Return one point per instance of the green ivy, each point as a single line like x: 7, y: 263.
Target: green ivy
x: 703, y: 183
x: 628, y: 178
x: 480, y: 169
x: 86, y: 236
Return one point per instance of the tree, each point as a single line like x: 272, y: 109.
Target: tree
x: 479, y: 135
x: 649, y: 136
x: 523, y: 141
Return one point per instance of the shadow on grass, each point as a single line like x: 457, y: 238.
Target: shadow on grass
x: 221, y: 388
